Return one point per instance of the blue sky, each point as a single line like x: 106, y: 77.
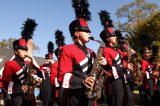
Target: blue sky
x: 50, y: 16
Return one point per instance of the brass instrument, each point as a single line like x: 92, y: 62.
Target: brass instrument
x: 156, y: 56
x: 97, y: 72
x: 137, y: 74
x: 31, y: 80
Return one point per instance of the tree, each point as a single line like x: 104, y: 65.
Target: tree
x: 148, y: 30
x: 134, y: 20
x: 130, y: 14
x: 7, y: 44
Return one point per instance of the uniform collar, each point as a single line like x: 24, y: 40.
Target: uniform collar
x: 84, y: 48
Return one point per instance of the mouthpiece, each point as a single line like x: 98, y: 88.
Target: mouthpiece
x: 91, y: 38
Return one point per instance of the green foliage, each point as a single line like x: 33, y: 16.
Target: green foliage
x: 149, y: 27
x: 7, y: 44
x: 137, y: 18
x: 130, y: 14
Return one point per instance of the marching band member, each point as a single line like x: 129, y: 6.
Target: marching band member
x: 148, y: 83
x: 58, y: 90
x: 115, y: 65
x: 16, y: 74
x: 127, y: 55
x: 46, y: 90
x: 76, y: 60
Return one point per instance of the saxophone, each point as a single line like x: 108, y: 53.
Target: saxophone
x: 156, y: 56
x: 137, y: 73
x: 31, y: 81
x: 97, y: 72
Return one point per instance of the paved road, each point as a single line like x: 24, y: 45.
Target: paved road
x: 137, y: 98
x: 39, y: 103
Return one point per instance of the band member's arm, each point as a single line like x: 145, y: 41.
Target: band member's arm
x: 108, y: 58
x: 125, y: 58
x: 42, y: 71
x: 144, y: 67
x: 54, y: 72
x: 39, y: 72
x: 66, y: 77
x: 7, y: 82
x: 7, y: 75
x: 147, y: 70
x: 124, y: 54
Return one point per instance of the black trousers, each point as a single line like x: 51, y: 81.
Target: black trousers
x: 116, y: 92
x: 46, y: 92
x: 128, y: 95
x: 149, y: 92
x: 155, y: 101
x: 77, y: 97
x: 61, y: 92
x: 19, y: 100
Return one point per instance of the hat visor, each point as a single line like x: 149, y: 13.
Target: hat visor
x: 111, y: 35
x: 23, y: 48
x: 84, y: 29
x: 148, y: 51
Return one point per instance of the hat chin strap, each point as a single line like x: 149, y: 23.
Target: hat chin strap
x: 18, y: 56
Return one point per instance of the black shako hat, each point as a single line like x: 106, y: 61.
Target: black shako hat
x: 50, y: 48
x: 106, y: 22
x: 60, y: 42
x: 83, y: 15
x: 79, y: 25
x: 20, y: 44
x: 144, y: 50
x: 49, y: 56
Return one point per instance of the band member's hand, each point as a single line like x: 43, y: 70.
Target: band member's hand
x: 89, y: 82
x: 130, y: 66
x: 108, y: 73
x: 52, y: 61
x: 49, y: 62
x: 24, y: 88
x: 103, y: 61
x: 156, y: 73
x: 27, y: 57
x: 39, y: 80
x: 132, y: 51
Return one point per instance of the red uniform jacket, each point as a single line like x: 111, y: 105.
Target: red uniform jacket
x: 45, y: 68
x: 124, y: 55
x: 75, y: 64
x: 115, y: 63
x: 147, y: 69
x: 1, y: 82
x: 54, y: 74
x: 13, y: 77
